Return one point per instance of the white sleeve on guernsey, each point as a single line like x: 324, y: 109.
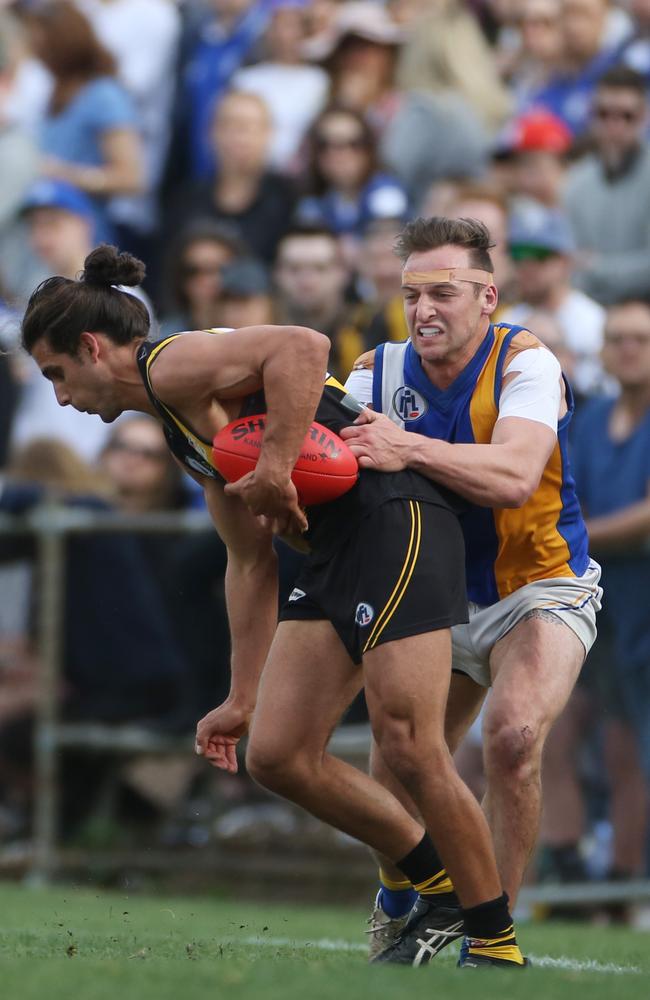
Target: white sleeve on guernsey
x: 359, y: 385
x: 534, y: 393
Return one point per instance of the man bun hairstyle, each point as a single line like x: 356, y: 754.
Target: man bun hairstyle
x: 106, y: 266
x: 424, y: 234
x: 61, y: 309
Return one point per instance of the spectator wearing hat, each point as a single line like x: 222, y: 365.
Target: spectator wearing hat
x: 446, y: 50
x: 61, y: 227
x: 61, y: 223
x: 607, y: 194
x: 542, y: 248
x: 537, y: 144
x: 422, y: 136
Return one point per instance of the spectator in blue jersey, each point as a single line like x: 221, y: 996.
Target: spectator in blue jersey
x: 483, y: 409
x: 223, y: 42
x: 588, y: 51
x: 348, y: 188
x: 611, y: 459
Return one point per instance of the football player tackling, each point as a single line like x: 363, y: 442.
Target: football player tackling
x: 489, y: 408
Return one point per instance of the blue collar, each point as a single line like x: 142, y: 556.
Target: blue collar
x: 445, y: 398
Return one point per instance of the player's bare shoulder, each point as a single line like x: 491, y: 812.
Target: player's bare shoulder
x: 366, y: 361
x: 204, y: 363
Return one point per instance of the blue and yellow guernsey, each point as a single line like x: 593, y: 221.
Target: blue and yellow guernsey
x: 505, y: 548
x: 331, y: 523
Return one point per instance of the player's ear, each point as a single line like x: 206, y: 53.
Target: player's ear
x: 490, y: 298
x: 89, y: 346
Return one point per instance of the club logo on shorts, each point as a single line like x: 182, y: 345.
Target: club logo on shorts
x: 409, y: 404
x: 364, y: 614
x: 296, y: 594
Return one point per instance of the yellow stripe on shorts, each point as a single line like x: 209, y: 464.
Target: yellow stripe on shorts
x: 399, y: 589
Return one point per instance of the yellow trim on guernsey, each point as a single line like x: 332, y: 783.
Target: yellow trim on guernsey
x: 399, y: 589
x: 200, y: 446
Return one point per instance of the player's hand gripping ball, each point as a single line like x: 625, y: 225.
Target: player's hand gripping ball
x: 325, y: 470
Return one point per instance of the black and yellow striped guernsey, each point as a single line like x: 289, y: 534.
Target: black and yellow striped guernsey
x: 328, y: 523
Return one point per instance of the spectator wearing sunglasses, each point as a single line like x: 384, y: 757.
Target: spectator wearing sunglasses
x: 193, y: 276
x: 347, y: 188
x: 542, y: 249
x: 607, y: 196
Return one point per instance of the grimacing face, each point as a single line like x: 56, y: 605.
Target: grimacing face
x: 446, y: 320
x: 82, y: 381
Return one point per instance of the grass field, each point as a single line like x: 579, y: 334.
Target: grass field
x: 93, y: 945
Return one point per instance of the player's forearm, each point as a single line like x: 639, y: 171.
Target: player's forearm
x: 491, y: 475
x: 622, y: 529
x: 293, y: 376
x: 252, y: 603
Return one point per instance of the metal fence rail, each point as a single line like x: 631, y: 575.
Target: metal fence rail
x: 51, y: 526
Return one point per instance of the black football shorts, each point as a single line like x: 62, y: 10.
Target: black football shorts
x: 401, y: 572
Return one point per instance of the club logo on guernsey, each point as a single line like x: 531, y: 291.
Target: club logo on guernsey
x: 409, y: 404
x: 364, y: 614
x: 296, y: 594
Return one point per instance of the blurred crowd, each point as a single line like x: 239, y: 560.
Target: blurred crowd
x: 260, y: 156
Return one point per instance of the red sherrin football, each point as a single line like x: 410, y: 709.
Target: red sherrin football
x: 325, y: 470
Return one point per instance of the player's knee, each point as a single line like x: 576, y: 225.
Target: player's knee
x: 405, y: 753
x: 512, y: 749
x: 272, y: 767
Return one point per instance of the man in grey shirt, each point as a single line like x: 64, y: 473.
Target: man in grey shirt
x: 607, y: 195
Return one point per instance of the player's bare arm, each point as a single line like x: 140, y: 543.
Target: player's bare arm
x: 289, y: 363
x: 251, y: 583
x: 504, y: 472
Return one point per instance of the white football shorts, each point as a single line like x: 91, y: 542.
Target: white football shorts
x: 575, y: 601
